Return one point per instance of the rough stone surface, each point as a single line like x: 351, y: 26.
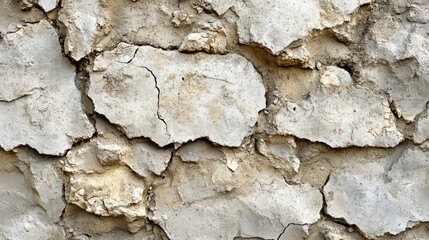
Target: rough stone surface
x: 422, y: 128
x: 81, y: 20
x: 214, y: 119
x: 341, y: 117
x: 171, y: 103
x: 47, y: 181
x: 103, y: 194
x: 11, y: 16
x: 39, y: 102
x: 281, y: 152
x: 247, y: 203
x: 335, y: 76
x: 109, y: 149
x: 199, y: 151
x: 95, y: 25
x: 263, y: 22
x: 22, y: 217
x: 404, y: 75
x: 207, y: 37
x: 394, y: 188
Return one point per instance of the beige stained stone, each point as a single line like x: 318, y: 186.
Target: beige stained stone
x: 116, y: 192
x: 208, y: 37
x: 335, y: 76
x: 281, y: 152
x: 109, y: 150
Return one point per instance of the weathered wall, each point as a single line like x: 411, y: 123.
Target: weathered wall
x: 214, y: 119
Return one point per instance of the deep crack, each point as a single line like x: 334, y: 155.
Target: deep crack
x: 159, y: 98
x: 159, y: 93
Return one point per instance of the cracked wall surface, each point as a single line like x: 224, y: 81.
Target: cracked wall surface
x: 214, y: 119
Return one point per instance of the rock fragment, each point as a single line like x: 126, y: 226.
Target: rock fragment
x: 47, y: 181
x: 165, y: 95
x: 108, y: 149
x: 27, y: 4
x: 219, y: 6
x: 221, y: 204
x: 81, y: 19
x: 421, y: 133
x: 340, y: 117
x: 336, y: 12
x: 39, y: 101
x: 116, y: 192
x: 83, y: 159
x: 335, y: 76
x: 243, y: 214
x: 280, y: 152
x: 208, y: 37
x: 47, y: 5
x: 264, y: 22
x: 199, y: 151
x: 400, y: 46
x: 11, y: 16
x: 328, y: 230
x: 295, y: 56
x: 180, y: 18
x: 105, y: 176
x: 148, y: 158
x: 394, y: 188
x: 21, y: 217
x: 94, y: 25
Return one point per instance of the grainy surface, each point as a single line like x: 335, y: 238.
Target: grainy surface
x: 214, y: 119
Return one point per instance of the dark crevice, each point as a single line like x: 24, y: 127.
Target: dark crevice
x: 339, y: 221
x: 134, y: 55
x: 157, y: 88
x: 346, y: 67
x: 393, y: 108
x: 158, y: 102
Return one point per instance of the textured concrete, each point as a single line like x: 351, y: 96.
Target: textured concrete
x: 214, y: 119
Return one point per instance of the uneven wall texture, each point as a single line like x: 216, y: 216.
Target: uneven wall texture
x: 214, y: 119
